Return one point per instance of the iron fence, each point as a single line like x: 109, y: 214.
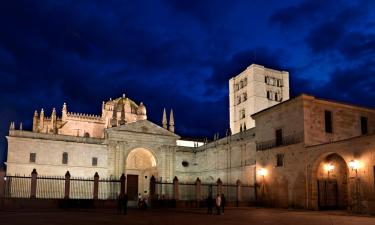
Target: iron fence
x: 50, y: 187
x: 17, y: 187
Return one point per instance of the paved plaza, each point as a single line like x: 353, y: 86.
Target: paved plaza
x: 233, y: 216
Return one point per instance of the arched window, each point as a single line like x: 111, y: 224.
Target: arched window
x: 65, y: 158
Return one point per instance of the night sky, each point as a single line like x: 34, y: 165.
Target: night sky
x: 177, y: 54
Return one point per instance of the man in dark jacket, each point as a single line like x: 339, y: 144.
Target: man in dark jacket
x: 223, y: 202
x: 210, y: 204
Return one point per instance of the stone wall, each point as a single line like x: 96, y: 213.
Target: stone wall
x: 49, y: 155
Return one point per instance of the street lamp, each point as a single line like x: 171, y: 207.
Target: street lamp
x: 262, y: 172
x: 329, y: 168
x: 354, y: 165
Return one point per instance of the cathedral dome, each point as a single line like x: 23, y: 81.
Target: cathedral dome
x: 141, y: 109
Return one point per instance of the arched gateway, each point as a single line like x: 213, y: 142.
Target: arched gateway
x: 140, y: 165
x: 331, y: 187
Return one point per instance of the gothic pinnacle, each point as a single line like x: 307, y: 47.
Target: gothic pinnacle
x: 164, y: 120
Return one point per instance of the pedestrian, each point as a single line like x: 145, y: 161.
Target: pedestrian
x: 124, y: 202
x: 209, y: 203
x: 218, y: 204
x: 119, y: 203
x: 223, y: 202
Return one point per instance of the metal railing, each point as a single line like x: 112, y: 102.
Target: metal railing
x: 286, y: 140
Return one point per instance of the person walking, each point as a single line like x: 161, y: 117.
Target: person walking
x: 209, y: 203
x: 124, y: 203
x: 218, y: 204
x: 223, y: 202
x: 119, y: 204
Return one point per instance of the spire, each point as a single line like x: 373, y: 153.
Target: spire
x: 171, y: 122
x: 21, y: 126
x: 53, y: 121
x: 103, y: 104
x: 64, y: 111
x: 41, y: 119
x: 12, y: 126
x: 164, y: 121
x: 35, y: 121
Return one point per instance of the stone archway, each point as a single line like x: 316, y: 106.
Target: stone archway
x: 330, y: 182
x: 141, y: 165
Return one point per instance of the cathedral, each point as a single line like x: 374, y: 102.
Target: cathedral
x: 302, y: 152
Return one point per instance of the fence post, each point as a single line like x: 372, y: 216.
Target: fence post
x: 96, y: 185
x: 34, y: 176
x: 239, y: 192
x: 67, y: 185
x: 152, y: 187
x: 122, y: 180
x: 198, y: 195
x: 219, y: 186
x: 2, y: 183
x: 176, y: 193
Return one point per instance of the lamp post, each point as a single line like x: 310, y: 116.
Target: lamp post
x: 262, y: 172
x: 355, y: 165
x: 329, y: 167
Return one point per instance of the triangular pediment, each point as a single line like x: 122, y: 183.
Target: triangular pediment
x: 143, y: 126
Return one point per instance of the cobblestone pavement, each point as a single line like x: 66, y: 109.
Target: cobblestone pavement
x: 235, y: 216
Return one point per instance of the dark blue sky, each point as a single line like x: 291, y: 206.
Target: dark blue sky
x: 177, y: 54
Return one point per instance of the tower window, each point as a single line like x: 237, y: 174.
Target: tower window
x: 364, y: 129
x: 65, y: 158
x: 279, y: 160
x: 279, y: 137
x: 328, y: 121
x: 32, y: 157
x: 94, y: 161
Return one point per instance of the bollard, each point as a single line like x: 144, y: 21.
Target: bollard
x: 34, y: 176
x: 176, y: 192
x: 2, y: 183
x: 96, y: 186
x: 123, y: 181
x: 67, y: 185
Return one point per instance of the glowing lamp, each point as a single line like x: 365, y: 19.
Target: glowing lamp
x: 262, y: 172
x: 329, y: 167
x: 354, y: 164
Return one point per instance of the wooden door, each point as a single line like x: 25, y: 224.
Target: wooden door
x: 327, y: 194
x: 132, y: 187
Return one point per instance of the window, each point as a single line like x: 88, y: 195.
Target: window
x: 241, y: 128
x: 185, y: 163
x: 279, y: 160
x: 65, y: 158
x: 266, y: 80
x: 244, y: 96
x: 328, y: 121
x: 364, y: 129
x: 279, y: 137
x: 94, y: 161
x: 268, y: 95
x: 244, y: 126
x: 32, y: 157
x: 238, y: 100
x: 87, y: 134
x: 243, y: 114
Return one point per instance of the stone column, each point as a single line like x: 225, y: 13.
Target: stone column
x: 123, y: 181
x: 152, y: 187
x: 67, y: 185
x: 176, y: 192
x: 34, y: 176
x: 219, y: 186
x: 239, y: 192
x: 198, y: 192
x: 2, y: 183
x: 96, y: 186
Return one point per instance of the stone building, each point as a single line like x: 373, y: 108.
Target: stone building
x: 302, y: 152
x: 253, y: 90
x: 316, y: 154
